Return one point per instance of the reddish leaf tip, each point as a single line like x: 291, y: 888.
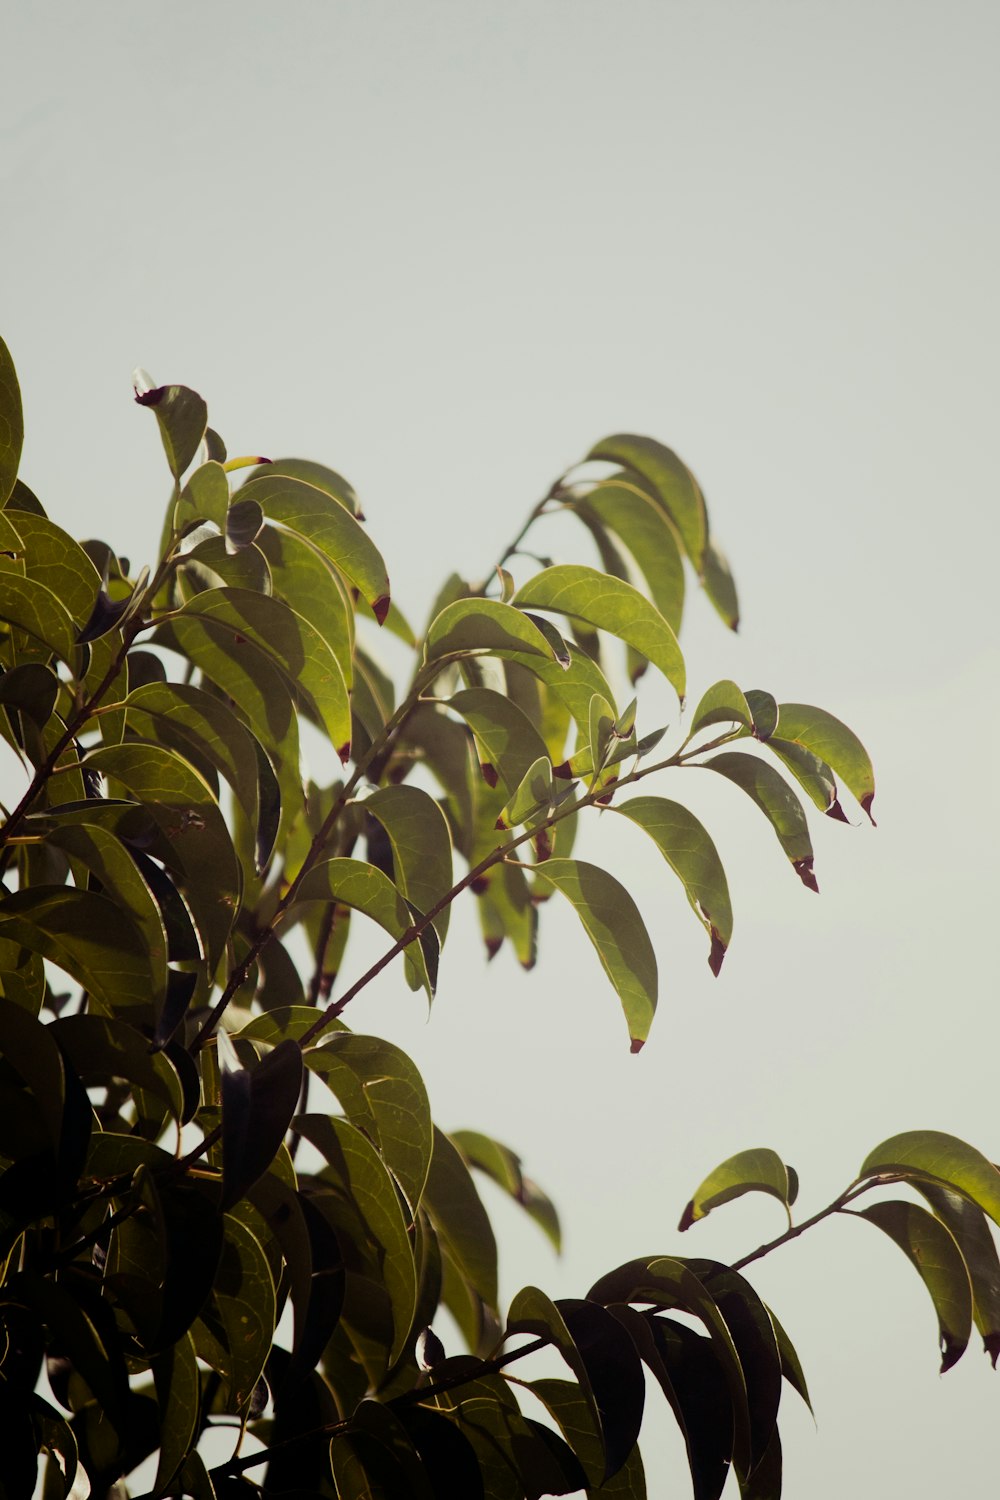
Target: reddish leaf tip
x: 563, y: 771
x: 493, y: 946
x: 836, y: 812
x: 687, y: 1217
x: 380, y: 608
x: 345, y: 753
x: 637, y: 1044
x: 991, y: 1343
x: 804, y: 870
x: 489, y: 773
x: 149, y: 398
x: 866, y: 803
x: 717, y: 953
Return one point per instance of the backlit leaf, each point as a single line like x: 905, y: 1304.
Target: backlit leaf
x: 458, y: 1216
x: 182, y: 417
x: 834, y: 743
x: 500, y: 1163
x: 759, y: 1170
x: 361, y: 886
x: 421, y: 846
x: 33, y: 608
x: 672, y: 482
x: 507, y: 741
x: 612, y: 921
x: 777, y: 802
x: 483, y: 625
x: 722, y: 703
x: 81, y: 932
x: 650, y: 537
x: 931, y: 1155
x: 11, y: 424
x: 932, y: 1250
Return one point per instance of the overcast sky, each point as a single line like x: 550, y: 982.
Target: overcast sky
x: 444, y: 247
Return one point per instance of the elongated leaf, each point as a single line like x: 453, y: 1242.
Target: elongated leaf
x: 507, y: 741
x: 608, y: 604
x: 791, y: 1368
x: 719, y: 584
x: 188, y: 815
x: 178, y: 1394
x: 327, y: 480
x: 758, y: 1170
x: 932, y: 1250
x: 931, y: 1155
x: 52, y: 557
x: 11, y: 424
x: 577, y: 1418
x: 533, y: 797
x: 972, y: 1233
x: 30, y: 1049
x: 722, y: 703
x: 290, y: 643
x: 833, y: 742
x: 462, y: 1225
x: 11, y: 541
x: 812, y: 774
x: 81, y: 932
x: 777, y: 802
x: 257, y: 1106
x: 383, y: 1095
x: 329, y: 525
x: 533, y: 1312
x: 241, y: 1314
x: 650, y: 537
x: 614, y: 1373
x: 612, y: 921
x: 363, y: 1174
x: 364, y: 888
x: 672, y: 482
x: 686, y: 846
x: 500, y: 1163
x: 305, y: 580
x: 37, y: 611
x: 205, y: 497
x: 104, y: 1047
x: 421, y: 846
x: 469, y: 626
x: 182, y: 417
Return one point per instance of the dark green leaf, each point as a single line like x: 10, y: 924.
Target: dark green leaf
x: 178, y: 1393
x: 456, y: 1211
x: 242, y: 1314
x: 500, y: 1163
x: 32, y: 689
x: 421, y: 846
x: 205, y: 497
x: 507, y: 741
x: 81, y: 932
x: 244, y: 520
x: 813, y: 775
x: 11, y: 424
x: 719, y: 585
x: 102, y: 1048
x: 182, y: 416
x: 932, y: 1250
x: 257, y: 1106
x: 37, y: 611
x: 970, y: 1229
x: 650, y: 537
x: 612, y: 922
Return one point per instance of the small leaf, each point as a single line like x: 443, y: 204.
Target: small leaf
x: 764, y: 710
x: 777, y: 802
x: 608, y: 604
x: 459, y: 1218
x: 421, y: 846
x: 470, y: 626
x: 244, y: 520
x: 182, y: 416
x: 691, y: 854
x: 722, y: 703
x: 11, y: 424
x: 500, y: 1163
x: 833, y: 742
x: 759, y: 1170
x: 532, y: 797
x: 364, y: 888
x: 508, y: 743
x: 930, y: 1247
x: 719, y: 584
x: 612, y: 921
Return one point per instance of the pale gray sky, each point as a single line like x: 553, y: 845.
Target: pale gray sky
x: 444, y: 247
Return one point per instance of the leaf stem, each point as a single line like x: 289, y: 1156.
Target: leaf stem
x: 793, y: 1231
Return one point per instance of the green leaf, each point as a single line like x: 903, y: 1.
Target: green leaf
x: 361, y: 886
x: 257, y: 1106
x: 608, y: 604
x: 650, y: 537
x: 834, y: 743
x: 182, y: 417
x: 81, y: 932
x: 32, y: 689
x: 306, y: 581
x: 776, y: 801
x: 11, y: 424
x: 240, y: 618
x: 813, y: 775
x: 211, y: 565
x: 30, y: 1049
x: 723, y: 703
x: 459, y: 1218
x: 33, y: 608
x: 242, y: 1313
x: 791, y: 1368
x: 686, y: 846
x: 471, y: 626
x: 188, y: 815
x: 629, y: 1483
x: 931, y: 1155
x: 178, y: 1394
x: 421, y: 846
x: 507, y: 741
x: 612, y: 921
x: 968, y: 1225
x: 327, y: 480
x: 500, y: 1163
x: 719, y: 584
x: 673, y: 484
x: 244, y: 520
x: 576, y: 1415
x: 384, y: 1096
x: 102, y: 1048
x: 326, y: 523
x: 365, y: 1177
x: 532, y: 797
x: 10, y: 538
x: 931, y: 1248
x: 205, y: 497
x: 758, y: 1170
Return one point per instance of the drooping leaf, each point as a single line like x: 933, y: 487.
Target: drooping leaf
x: 257, y: 1106
x: 363, y: 1175
x: 791, y: 1367
x: 758, y: 1170
x: 507, y: 741
x: 650, y: 537
x: 719, y: 584
x: 383, y: 1095
x: 722, y: 703
x: 240, y: 1316
x: 421, y: 846
x: 673, y: 484
x: 178, y: 1394
x: 469, y: 626
x: 462, y: 1225
x: 327, y: 480
x: 361, y: 886
x: 312, y: 513
x: 612, y: 921
x: 11, y: 424
x: 776, y: 800
x: 102, y: 1048
x: 932, y: 1155
x: 608, y: 604
x: 972, y: 1234
x: 504, y: 1167
x: 834, y: 743
x: 932, y: 1250
x: 81, y: 933
x: 35, y: 609
x: 813, y: 775
x: 182, y: 417
x: 686, y: 846
x: 304, y: 579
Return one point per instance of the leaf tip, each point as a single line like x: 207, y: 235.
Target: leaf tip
x: 836, y: 812
x: 493, y: 946
x: 380, y: 608
x: 866, y: 803
x: 687, y: 1217
x: 804, y: 870
x: 717, y: 953
x: 149, y: 397
x: 638, y: 1042
x: 345, y: 752
x: 489, y: 773
x: 991, y: 1343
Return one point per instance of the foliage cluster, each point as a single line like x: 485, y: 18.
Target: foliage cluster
x: 194, y: 1140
